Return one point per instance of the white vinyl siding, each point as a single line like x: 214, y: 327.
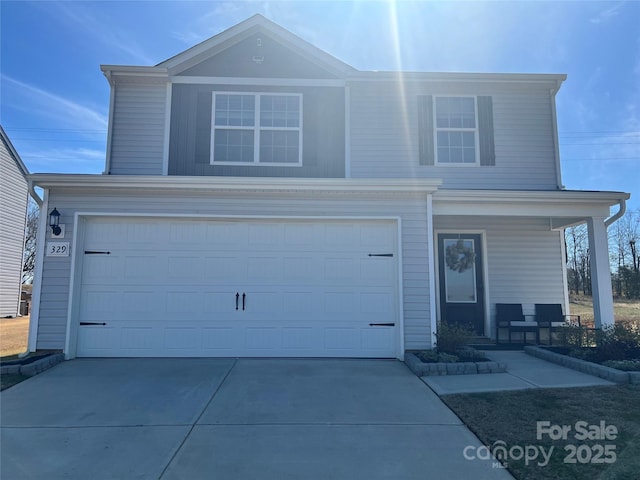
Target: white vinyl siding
x: 138, y: 129
x: 411, y: 210
x: 385, y: 140
x: 524, y: 259
x: 13, y: 204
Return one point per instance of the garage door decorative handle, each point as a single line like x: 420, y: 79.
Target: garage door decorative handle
x: 93, y: 252
x: 381, y: 254
x: 382, y: 324
x: 92, y: 323
x: 244, y: 296
x: 237, y: 297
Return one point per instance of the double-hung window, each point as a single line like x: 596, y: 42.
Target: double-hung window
x: 257, y: 129
x: 456, y: 131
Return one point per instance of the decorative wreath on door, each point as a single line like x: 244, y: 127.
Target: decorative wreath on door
x: 458, y: 257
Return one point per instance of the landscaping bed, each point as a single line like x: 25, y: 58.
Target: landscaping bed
x: 451, y: 356
x: 612, y: 353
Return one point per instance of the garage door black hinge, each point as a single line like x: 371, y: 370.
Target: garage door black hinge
x: 92, y: 323
x: 381, y: 254
x: 382, y: 324
x: 93, y: 252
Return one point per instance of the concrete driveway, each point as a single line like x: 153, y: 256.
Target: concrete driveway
x: 232, y: 419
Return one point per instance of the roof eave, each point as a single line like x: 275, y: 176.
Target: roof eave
x: 143, y: 182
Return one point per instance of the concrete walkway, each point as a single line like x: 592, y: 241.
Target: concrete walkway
x: 523, y: 372
x: 233, y: 419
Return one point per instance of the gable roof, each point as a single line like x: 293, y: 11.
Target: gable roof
x: 235, y: 34
x: 13, y: 153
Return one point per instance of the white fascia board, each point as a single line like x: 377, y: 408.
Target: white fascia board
x: 115, y: 73
x: 564, y: 203
x: 263, y: 81
x: 549, y: 80
x: 257, y: 184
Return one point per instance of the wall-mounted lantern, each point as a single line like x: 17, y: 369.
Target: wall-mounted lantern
x: 54, y: 221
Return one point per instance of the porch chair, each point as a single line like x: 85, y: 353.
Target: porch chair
x: 549, y: 317
x: 509, y: 316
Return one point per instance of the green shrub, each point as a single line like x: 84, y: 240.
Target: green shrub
x: 469, y: 354
x: 620, y: 341
x: 433, y: 356
x: 626, y: 365
x: 451, y: 338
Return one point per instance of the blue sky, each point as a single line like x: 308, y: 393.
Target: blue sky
x: 54, y: 99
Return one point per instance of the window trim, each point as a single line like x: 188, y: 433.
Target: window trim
x: 256, y: 129
x: 436, y: 129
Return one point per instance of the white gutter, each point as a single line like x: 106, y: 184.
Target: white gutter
x: 623, y: 208
x: 257, y: 184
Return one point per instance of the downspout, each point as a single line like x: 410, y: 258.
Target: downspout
x: 613, y: 218
x: 34, y: 195
x: 37, y: 274
x: 112, y: 98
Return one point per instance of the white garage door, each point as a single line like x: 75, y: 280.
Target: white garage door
x: 171, y: 287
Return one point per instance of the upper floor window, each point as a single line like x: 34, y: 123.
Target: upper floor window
x: 456, y: 130
x: 257, y: 129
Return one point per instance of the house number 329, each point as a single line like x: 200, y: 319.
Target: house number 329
x: 58, y: 249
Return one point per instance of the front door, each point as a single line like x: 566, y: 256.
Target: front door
x: 461, y: 280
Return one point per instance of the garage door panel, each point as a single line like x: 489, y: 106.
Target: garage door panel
x: 182, y: 338
x: 169, y: 287
x: 102, y: 269
x: 184, y: 303
x: 377, y: 271
x: 215, y: 303
x: 186, y: 268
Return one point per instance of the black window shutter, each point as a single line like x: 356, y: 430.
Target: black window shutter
x: 203, y: 127
x: 425, y: 130
x: 485, y: 131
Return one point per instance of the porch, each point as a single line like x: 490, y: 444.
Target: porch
x: 517, y: 244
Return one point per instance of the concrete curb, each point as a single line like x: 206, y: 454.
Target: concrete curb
x: 608, y: 373
x: 33, y: 368
x: 461, y: 368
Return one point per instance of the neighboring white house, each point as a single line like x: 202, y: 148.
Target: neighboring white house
x: 14, y: 196
x: 262, y: 198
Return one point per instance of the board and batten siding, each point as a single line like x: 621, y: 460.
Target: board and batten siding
x: 14, y: 195
x: 385, y: 137
x: 323, y: 133
x: 411, y: 209
x: 524, y: 259
x: 137, y: 130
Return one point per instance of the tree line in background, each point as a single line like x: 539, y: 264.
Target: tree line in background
x: 624, y: 254
x: 624, y: 257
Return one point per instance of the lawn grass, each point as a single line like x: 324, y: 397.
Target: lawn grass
x: 624, y: 310
x: 511, y: 417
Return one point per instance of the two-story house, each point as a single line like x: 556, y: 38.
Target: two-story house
x: 14, y: 197
x: 262, y: 198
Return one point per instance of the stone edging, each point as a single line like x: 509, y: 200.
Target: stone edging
x: 602, y: 371
x: 422, y: 369
x: 33, y: 368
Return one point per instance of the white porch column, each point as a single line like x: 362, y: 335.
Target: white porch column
x: 600, y: 272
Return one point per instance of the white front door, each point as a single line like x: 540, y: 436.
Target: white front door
x: 172, y: 287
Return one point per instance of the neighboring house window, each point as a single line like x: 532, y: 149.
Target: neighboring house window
x: 455, y: 130
x: 257, y: 129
